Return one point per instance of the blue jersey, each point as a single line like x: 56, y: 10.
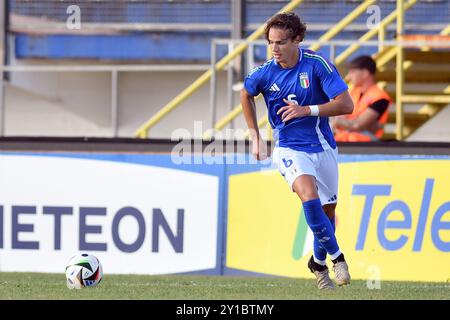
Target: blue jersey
x: 313, y: 80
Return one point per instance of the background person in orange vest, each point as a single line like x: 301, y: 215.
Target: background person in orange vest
x: 371, y: 103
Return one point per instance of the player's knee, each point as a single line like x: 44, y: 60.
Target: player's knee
x: 306, y: 194
x: 305, y: 188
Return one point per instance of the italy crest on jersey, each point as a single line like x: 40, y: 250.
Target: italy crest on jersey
x: 304, y: 80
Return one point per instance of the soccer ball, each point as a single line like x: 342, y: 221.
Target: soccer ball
x: 83, y: 270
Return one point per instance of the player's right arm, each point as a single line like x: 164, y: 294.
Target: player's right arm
x: 259, y: 147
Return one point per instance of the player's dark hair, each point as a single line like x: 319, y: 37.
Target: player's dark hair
x: 364, y: 62
x: 287, y: 21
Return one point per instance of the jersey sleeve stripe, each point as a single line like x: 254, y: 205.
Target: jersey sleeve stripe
x: 322, y: 60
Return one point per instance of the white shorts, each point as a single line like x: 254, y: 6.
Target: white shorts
x: 322, y: 165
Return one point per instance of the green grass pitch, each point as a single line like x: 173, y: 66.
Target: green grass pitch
x: 25, y: 286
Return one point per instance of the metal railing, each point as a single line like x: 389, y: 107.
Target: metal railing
x: 115, y: 71
x: 142, y: 131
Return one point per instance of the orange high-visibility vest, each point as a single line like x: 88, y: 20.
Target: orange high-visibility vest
x: 361, y: 103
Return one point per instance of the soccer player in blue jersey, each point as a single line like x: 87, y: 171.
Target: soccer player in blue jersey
x: 301, y: 90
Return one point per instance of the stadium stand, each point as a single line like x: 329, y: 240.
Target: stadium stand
x: 134, y: 30
x: 152, y: 33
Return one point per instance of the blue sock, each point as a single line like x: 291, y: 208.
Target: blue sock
x: 321, y: 227
x: 319, y: 252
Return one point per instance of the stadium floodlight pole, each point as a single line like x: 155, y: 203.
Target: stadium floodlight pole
x: 142, y: 132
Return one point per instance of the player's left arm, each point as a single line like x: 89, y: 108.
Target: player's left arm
x: 341, y: 104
